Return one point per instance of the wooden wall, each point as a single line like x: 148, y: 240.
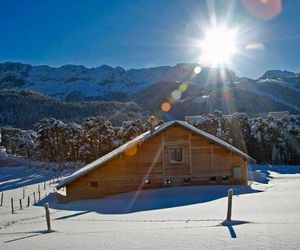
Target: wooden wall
x: 203, y: 163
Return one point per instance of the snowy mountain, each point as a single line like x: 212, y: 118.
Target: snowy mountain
x: 246, y: 96
x: 146, y: 89
x: 276, y: 74
x: 276, y: 90
x: 71, y: 82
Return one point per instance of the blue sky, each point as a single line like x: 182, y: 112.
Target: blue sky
x: 136, y: 34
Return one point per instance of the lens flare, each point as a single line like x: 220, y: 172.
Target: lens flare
x: 166, y: 107
x: 131, y: 151
x: 176, y: 94
x: 183, y: 87
x: 265, y: 9
x: 197, y: 70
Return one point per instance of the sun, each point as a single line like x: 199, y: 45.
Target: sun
x: 218, y: 46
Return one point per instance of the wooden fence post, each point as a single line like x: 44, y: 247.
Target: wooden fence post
x: 1, y: 200
x: 229, y: 206
x: 44, y: 185
x: 20, y: 200
x: 46, y: 206
x: 12, y: 205
x: 39, y: 195
x: 23, y: 193
x: 34, y: 199
x: 39, y: 188
x: 28, y: 201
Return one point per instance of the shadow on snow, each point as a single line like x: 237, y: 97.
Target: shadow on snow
x: 21, y: 176
x: 148, y: 199
x: 31, y: 235
x: 262, y: 173
x: 230, y: 224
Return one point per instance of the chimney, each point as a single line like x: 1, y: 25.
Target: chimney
x: 152, y: 122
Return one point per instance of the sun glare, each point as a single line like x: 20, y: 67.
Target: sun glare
x: 218, y: 46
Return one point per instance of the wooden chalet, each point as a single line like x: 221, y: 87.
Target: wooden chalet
x: 173, y: 154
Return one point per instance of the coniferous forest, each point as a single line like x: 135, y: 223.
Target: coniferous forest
x: 266, y: 139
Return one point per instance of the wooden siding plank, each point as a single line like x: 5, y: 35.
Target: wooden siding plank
x: 190, y: 154
x: 212, y: 159
x: 201, y: 161
x: 197, y: 140
x: 163, y: 154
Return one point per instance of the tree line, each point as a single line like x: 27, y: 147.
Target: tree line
x: 266, y: 139
x: 16, y: 105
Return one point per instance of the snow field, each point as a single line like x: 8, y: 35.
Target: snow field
x: 265, y: 216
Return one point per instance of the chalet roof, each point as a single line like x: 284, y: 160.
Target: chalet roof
x: 279, y: 114
x: 144, y: 137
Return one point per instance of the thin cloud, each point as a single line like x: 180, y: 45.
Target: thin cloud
x: 255, y: 46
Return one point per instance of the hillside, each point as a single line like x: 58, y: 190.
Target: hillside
x: 246, y: 96
x: 73, y: 92
x: 24, y: 108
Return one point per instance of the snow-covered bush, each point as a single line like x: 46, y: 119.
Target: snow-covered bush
x: 18, y: 141
x: 131, y: 129
x: 266, y: 139
x: 98, y: 138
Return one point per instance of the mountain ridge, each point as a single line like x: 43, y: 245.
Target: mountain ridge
x: 102, y: 81
x: 148, y: 88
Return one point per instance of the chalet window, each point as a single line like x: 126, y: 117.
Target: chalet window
x: 94, y: 184
x: 175, y: 155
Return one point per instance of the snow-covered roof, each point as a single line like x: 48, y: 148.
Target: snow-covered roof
x: 144, y: 137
